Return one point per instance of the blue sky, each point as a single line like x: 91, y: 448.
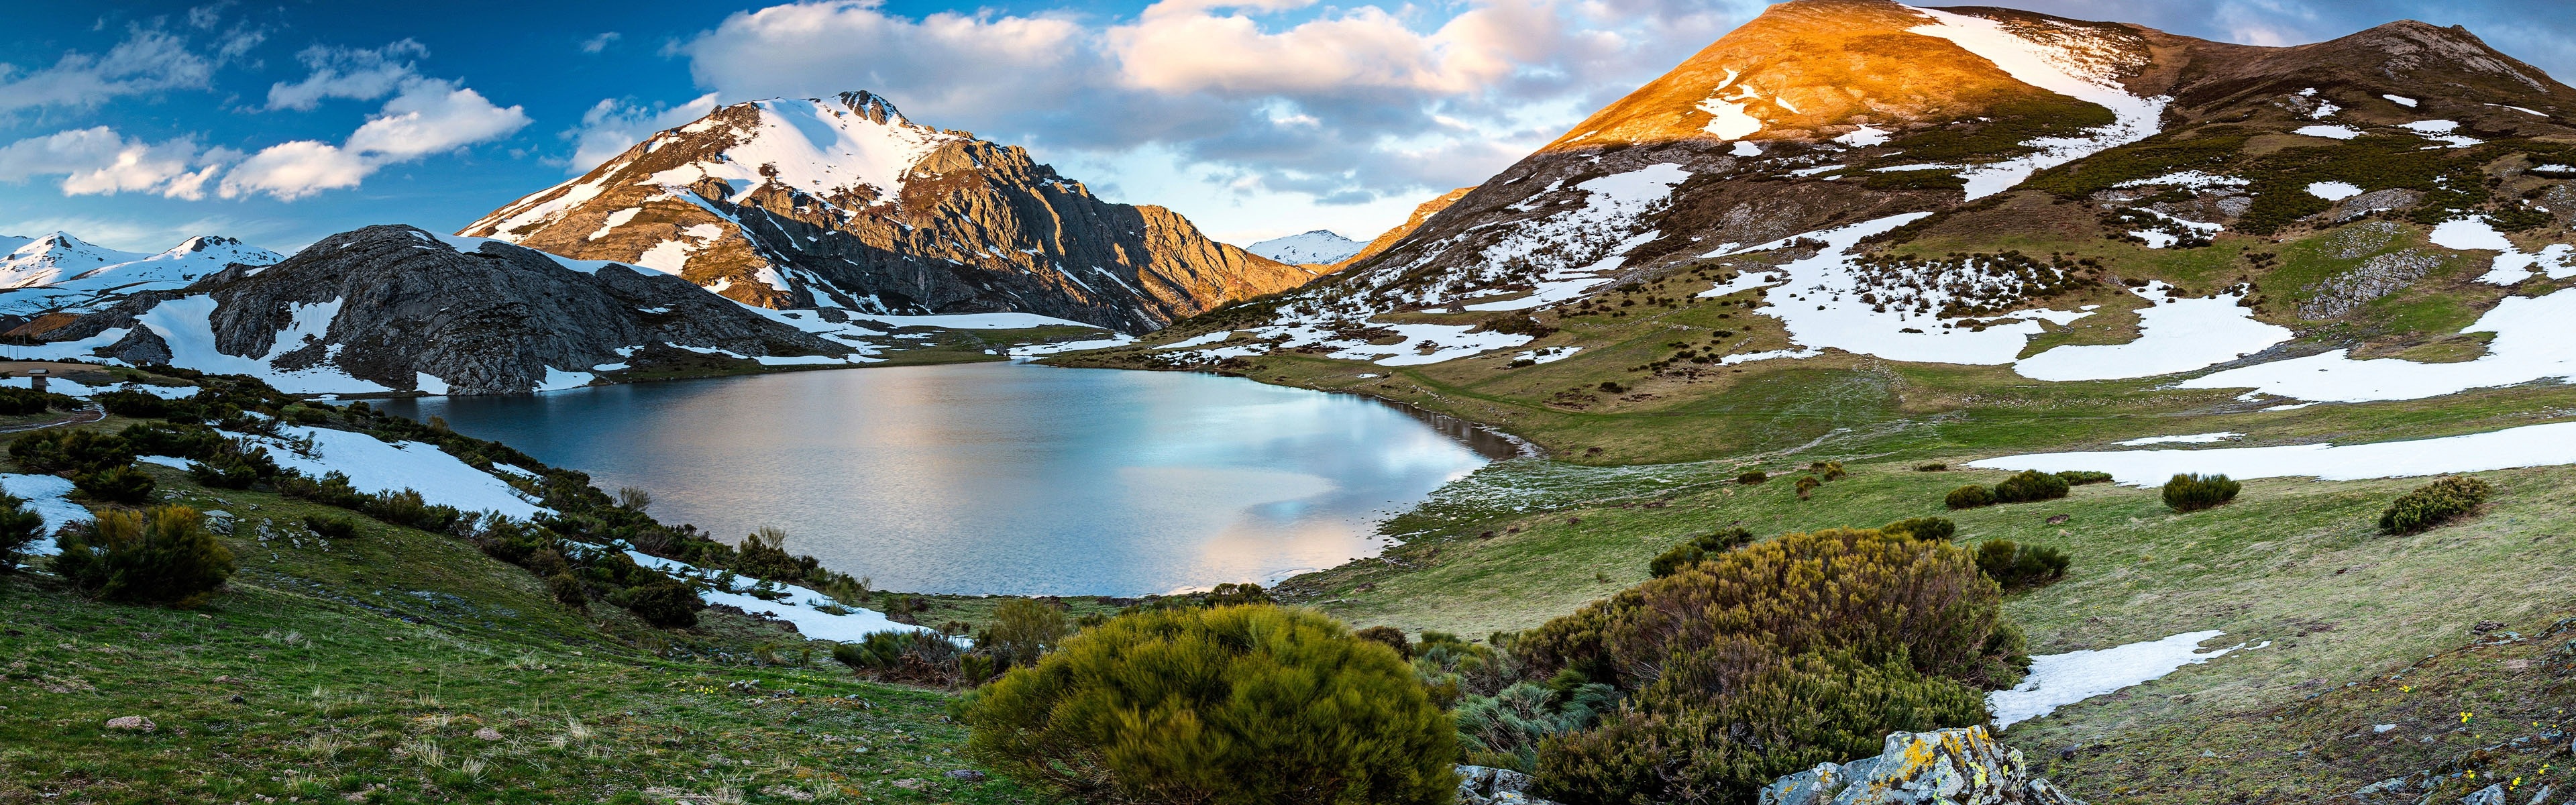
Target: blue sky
x: 137, y: 124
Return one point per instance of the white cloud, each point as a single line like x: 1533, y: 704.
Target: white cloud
x: 599, y: 43
x: 148, y: 60
x: 357, y: 73
x: 612, y: 126
x: 98, y: 161
x: 428, y: 116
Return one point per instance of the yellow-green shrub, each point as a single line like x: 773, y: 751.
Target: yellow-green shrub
x: 1223, y: 705
x: 164, y: 556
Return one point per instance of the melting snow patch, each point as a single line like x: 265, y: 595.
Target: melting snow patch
x: 980, y: 321
x: 2333, y: 191
x: 184, y: 323
x: 2530, y: 344
x: 2441, y: 131
x: 1864, y: 137
x: 2174, y: 335
x: 2531, y: 112
x: 2527, y: 446
x: 2057, y: 680
x: 2051, y: 68
x: 800, y: 606
x: 1746, y: 148
x: 1032, y: 350
x: 376, y: 466
x: 2196, y: 438
x: 2512, y: 265
x: 1201, y: 340
x: 47, y: 496
x: 1548, y: 355
x: 2191, y: 179
x: 2330, y: 132
x: 2401, y: 100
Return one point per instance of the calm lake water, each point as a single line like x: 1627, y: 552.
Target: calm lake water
x: 1003, y: 478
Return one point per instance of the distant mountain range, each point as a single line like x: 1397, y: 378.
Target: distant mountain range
x: 61, y: 274
x: 845, y: 203
x: 1319, y: 247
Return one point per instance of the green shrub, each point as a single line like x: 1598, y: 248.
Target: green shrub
x: 178, y: 440
x: 662, y: 601
x: 125, y: 485
x: 70, y: 451
x: 331, y: 527
x: 1024, y: 630
x: 25, y: 402
x: 164, y: 556
x: 2083, y: 477
x: 1223, y: 706
x: 1932, y: 467
x: 1769, y: 659
x: 764, y: 555
x: 1969, y: 497
x: 567, y: 590
x: 2431, y: 504
x: 2194, y: 492
x: 20, y: 526
x: 1751, y: 477
x: 140, y: 405
x: 1234, y: 594
x: 1936, y: 529
x: 1829, y: 470
x: 1807, y: 485
x: 913, y: 656
x: 2017, y: 566
x: 1389, y: 637
x: 1692, y: 550
x: 1506, y: 729
x: 2030, y: 485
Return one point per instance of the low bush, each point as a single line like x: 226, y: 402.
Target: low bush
x: 1222, y: 706
x: 164, y: 556
x: 1769, y: 659
x: 1936, y: 529
x: 1695, y: 549
x: 1807, y: 485
x: 1969, y: 497
x: 1024, y: 630
x: 140, y: 405
x: 331, y: 527
x: 1505, y: 730
x: 1753, y: 477
x: 2083, y: 477
x: 125, y: 485
x: 20, y: 526
x: 662, y: 601
x: 2030, y: 485
x: 2432, y: 504
x: 1932, y: 467
x: 1829, y: 470
x: 1388, y: 636
x: 2194, y: 492
x: 2018, y: 566
x: 70, y: 451
x: 567, y: 590
x: 24, y: 402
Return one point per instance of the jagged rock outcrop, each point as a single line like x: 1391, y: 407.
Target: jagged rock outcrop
x: 394, y: 308
x: 1486, y: 785
x: 846, y: 203
x: 1964, y: 766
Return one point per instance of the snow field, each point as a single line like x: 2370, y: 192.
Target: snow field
x: 2057, y: 680
x: 376, y: 466
x: 48, y: 496
x: 2054, y: 69
x: 2527, y: 446
x: 801, y: 607
x: 2330, y: 132
x: 2196, y: 438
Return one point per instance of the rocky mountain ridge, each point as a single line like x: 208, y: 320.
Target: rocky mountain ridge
x: 63, y: 275
x: 845, y: 203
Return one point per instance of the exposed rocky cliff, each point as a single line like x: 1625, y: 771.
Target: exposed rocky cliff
x: 394, y: 308
x: 845, y: 203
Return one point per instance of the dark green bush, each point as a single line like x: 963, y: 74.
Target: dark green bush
x: 2432, y: 504
x: 125, y: 485
x: 1505, y: 730
x: 24, y: 402
x: 139, y: 405
x: 164, y: 556
x: 1245, y: 705
x: 1807, y: 485
x: 70, y: 451
x: 2194, y: 492
x: 20, y: 525
x: 1024, y: 630
x: 2083, y: 477
x: 1235, y: 594
x: 1936, y: 529
x: 1692, y: 550
x: 1969, y: 497
x: 1768, y: 659
x: 1389, y: 637
x: 662, y: 601
x: 567, y: 590
x: 1751, y: 477
x: 1829, y: 470
x: 2017, y: 566
x: 178, y: 440
x: 331, y: 527
x: 764, y: 555
x: 2030, y: 485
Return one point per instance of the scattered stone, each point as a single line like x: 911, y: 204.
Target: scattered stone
x: 2484, y: 627
x: 788, y: 792
x: 2059, y: 519
x: 966, y: 775
x: 135, y: 723
x: 2490, y: 795
x: 488, y: 734
x: 1486, y: 785
x: 912, y: 784
x: 2376, y: 729
x: 1964, y: 766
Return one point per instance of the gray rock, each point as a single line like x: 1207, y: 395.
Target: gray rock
x: 1486, y: 785
x: 132, y: 723
x: 966, y: 775
x: 1964, y: 766
x: 2490, y: 795
x: 488, y: 321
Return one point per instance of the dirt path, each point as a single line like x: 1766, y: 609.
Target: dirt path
x: 93, y: 414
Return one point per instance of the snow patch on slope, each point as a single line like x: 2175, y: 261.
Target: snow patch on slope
x: 2057, y: 680
x: 2527, y: 446
x: 2053, y: 68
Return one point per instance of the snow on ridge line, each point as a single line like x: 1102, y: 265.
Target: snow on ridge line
x: 2546, y: 445
x: 2057, y: 680
x: 2046, y: 67
x: 799, y: 608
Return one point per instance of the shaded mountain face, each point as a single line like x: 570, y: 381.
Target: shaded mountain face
x: 1875, y: 162
x: 846, y: 204
x: 1319, y: 247
x: 393, y: 308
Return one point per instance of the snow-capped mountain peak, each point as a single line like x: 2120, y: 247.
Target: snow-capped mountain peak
x: 55, y: 257
x: 1320, y: 246
x: 59, y: 272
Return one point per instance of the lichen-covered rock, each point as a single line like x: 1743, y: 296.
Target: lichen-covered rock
x: 1964, y: 766
x: 1486, y: 785
x: 133, y: 723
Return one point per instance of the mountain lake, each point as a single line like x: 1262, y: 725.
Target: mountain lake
x: 1003, y: 478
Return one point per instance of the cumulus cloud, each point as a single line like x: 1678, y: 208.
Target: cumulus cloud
x: 355, y: 73
x: 148, y: 60
x: 612, y: 126
x: 428, y: 116
x: 98, y: 161
x: 1343, y: 104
